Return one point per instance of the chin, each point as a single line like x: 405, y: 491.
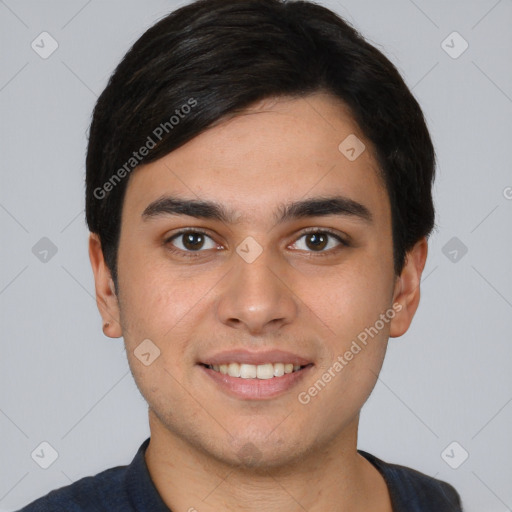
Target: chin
x: 261, y: 453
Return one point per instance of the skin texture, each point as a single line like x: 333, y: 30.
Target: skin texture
x: 211, y: 451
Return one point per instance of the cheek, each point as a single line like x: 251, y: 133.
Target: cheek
x: 153, y: 298
x: 165, y: 307
x: 348, y: 373
x: 350, y: 299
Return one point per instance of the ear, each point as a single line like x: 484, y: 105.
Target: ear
x: 106, y: 298
x: 406, y: 296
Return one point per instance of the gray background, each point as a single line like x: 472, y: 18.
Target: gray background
x: 448, y: 379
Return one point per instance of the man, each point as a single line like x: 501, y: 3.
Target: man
x: 259, y: 200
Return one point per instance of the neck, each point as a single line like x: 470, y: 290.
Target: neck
x: 332, y: 477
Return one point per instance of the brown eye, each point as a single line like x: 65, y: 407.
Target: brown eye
x: 316, y: 241
x: 319, y: 241
x: 191, y: 241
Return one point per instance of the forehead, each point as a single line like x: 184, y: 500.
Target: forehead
x: 276, y: 151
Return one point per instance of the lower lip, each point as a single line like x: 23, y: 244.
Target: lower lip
x: 256, y: 389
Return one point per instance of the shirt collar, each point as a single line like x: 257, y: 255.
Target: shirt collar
x: 139, y: 486
x: 145, y: 498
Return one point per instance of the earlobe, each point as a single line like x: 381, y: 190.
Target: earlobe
x: 406, y: 295
x: 106, y: 298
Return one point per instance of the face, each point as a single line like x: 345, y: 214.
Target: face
x: 285, y: 265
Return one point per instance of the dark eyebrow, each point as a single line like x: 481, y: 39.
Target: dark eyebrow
x: 324, y: 206
x: 312, y: 207
x: 169, y: 205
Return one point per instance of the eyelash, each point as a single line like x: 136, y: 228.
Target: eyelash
x: 195, y: 254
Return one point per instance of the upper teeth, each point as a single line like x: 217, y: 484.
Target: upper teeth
x: 252, y: 371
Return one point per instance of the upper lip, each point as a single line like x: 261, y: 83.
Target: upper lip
x: 255, y: 358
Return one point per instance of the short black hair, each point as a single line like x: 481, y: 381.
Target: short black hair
x: 214, y: 58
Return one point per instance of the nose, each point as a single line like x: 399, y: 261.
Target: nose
x: 256, y: 296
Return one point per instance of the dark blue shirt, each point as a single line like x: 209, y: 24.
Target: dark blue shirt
x: 130, y: 489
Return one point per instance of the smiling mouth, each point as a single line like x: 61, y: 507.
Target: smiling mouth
x: 252, y: 371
